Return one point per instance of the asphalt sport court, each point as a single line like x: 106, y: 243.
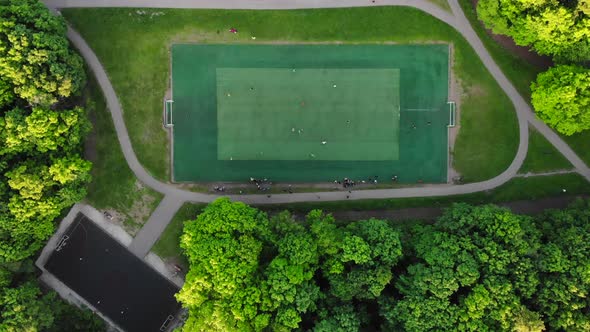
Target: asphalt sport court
x: 112, y: 279
x: 307, y: 113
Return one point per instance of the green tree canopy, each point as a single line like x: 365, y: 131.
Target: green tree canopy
x: 292, y: 292
x: 36, y: 194
x: 6, y: 94
x: 41, y: 131
x: 223, y: 246
x: 41, y: 170
x: 25, y: 309
x: 363, y: 267
x: 557, y: 28
x: 475, y: 268
x: 565, y: 269
x: 35, y: 56
x: 561, y: 98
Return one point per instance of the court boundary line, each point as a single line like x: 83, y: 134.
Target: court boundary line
x: 171, y: 129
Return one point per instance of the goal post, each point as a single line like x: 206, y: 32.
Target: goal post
x: 452, y: 113
x: 168, y: 120
x: 62, y: 242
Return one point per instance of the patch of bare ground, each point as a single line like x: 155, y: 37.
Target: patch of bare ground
x: 455, y: 95
x: 527, y: 207
x: 141, y: 209
x: 131, y: 218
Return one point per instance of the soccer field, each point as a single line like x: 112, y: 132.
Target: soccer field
x: 309, y: 113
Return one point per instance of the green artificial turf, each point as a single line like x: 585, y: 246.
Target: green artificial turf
x: 133, y: 45
x: 113, y: 184
x: 292, y: 113
x: 356, y: 111
x: 542, y: 156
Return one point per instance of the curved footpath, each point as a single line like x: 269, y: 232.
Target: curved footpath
x: 174, y: 197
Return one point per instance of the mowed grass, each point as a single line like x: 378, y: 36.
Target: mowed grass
x: 133, y: 45
x: 581, y: 145
x: 522, y: 74
x: 542, y: 156
x: 113, y: 186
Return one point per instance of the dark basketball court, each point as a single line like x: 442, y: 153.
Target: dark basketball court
x: 113, y: 280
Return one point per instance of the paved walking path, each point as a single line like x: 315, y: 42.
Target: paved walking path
x: 531, y: 174
x: 174, y: 197
x: 150, y: 232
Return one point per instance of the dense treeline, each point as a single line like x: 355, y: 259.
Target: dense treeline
x: 42, y: 171
x: 560, y: 29
x: 41, y: 168
x: 475, y: 269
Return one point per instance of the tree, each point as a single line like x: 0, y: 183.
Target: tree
x: 35, y: 56
x: 474, y: 271
x: 36, y: 195
x: 41, y: 171
x: 72, y: 319
x: 42, y: 131
x: 343, y: 318
x: 6, y: 94
x: 557, y: 28
x: 223, y: 246
x: 25, y: 309
x: 561, y: 98
x: 292, y: 292
x: 564, y: 265
x: 5, y: 278
x: 363, y: 266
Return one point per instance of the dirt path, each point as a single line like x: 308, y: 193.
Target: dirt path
x: 528, y: 207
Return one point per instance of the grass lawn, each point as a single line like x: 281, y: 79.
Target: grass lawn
x: 542, y: 156
x: 136, y: 56
x: 521, y: 74
x: 444, y: 4
x: 581, y: 144
x: 168, y: 245
x: 113, y: 186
